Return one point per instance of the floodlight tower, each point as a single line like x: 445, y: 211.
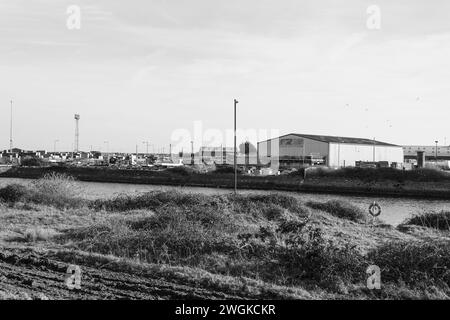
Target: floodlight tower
x: 77, y: 119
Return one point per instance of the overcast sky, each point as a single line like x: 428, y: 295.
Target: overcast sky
x: 145, y: 70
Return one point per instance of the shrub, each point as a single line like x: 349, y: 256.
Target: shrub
x: 299, y: 172
x: 13, y: 193
x: 340, y: 209
x: 153, y: 200
x: 437, y: 220
x: 182, y: 171
x: 288, y: 252
x: 309, y: 256
x: 171, y: 235
x: 273, y: 206
x: 56, y: 189
x: 375, y: 174
x: 416, y: 263
x: 31, y: 162
x: 226, y: 170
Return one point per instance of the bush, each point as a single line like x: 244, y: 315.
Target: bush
x: 272, y: 206
x: 31, y: 162
x: 153, y: 200
x: 215, y: 240
x: 340, y: 209
x: 381, y: 174
x: 226, y: 170
x: 306, y: 255
x: 181, y: 171
x: 299, y: 172
x: 56, y: 189
x: 437, y: 220
x: 171, y: 235
x: 415, y: 263
x: 13, y: 193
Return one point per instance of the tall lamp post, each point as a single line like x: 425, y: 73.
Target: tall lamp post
x: 11, y: 129
x: 373, y: 149
x: 192, y: 153
x: 235, y: 150
x: 436, y: 151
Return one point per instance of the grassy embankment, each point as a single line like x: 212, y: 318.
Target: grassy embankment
x: 425, y: 183
x: 257, y: 246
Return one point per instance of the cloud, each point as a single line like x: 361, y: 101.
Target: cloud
x: 149, y: 67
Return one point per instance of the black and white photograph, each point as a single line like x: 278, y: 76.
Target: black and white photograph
x: 224, y: 155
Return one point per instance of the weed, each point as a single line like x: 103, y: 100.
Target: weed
x: 340, y: 209
x: 13, y: 193
x: 437, y: 220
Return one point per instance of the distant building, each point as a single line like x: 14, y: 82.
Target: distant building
x: 218, y: 155
x: 443, y: 152
x: 224, y: 155
x: 296, y: 150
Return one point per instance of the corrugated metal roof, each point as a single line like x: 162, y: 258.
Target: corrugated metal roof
x: 334, y: 139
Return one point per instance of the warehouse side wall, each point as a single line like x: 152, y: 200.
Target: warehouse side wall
x: 347, y: 154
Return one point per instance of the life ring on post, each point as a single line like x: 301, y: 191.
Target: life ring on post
x: 375, y: 209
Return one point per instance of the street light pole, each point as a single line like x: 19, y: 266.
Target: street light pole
x: 436, y: 151
x: 192, y: 153
x: 373, y: 149
x: 11, y: 129
x: 235, y: 150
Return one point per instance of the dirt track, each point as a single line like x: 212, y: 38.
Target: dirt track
x: 26, y: 274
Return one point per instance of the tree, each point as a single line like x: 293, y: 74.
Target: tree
x: 252, y: 148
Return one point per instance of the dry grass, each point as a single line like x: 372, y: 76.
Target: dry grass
x: 437, y: 220
x: 270, y: 243
x: 38, y: 234
x: 340, y: 209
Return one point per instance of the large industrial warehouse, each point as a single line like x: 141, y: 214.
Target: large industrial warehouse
x: 295, y: 150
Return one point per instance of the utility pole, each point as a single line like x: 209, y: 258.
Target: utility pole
x: 373, y: 149
x: 11, y: 129
x: 170, y: 151
x: 436, y: 151
x: 77, y: 133
x: 192, y: 152
x: 235, y: 150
